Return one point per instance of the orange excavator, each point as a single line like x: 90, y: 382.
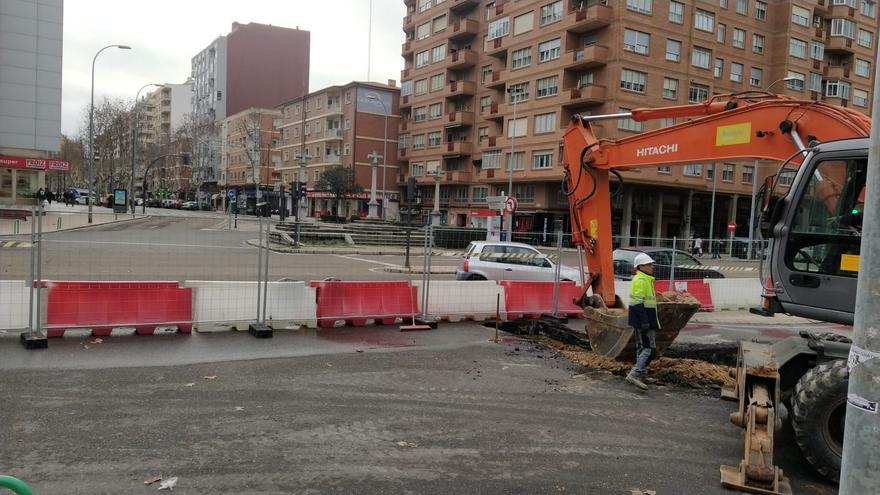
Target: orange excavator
x: 809, y: 268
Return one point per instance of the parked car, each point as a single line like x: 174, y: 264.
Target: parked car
x: 484, y: 260
x: 686, y: 266
x: 189, y: 205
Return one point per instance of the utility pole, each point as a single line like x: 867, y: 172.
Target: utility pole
x: 514, y: 95
x: 712, y: 213
x: 859, y: 473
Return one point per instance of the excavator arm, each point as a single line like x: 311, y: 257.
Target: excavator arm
x: 752, y: 125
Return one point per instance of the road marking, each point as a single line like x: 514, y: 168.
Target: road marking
x: 353, y: 258
x: 147, y: 244
x: 15, y: 244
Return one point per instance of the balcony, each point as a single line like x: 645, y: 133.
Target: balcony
x: 499, y: 7
x: 584, y: 96
x: 590, y: 18
x: 459, y: 176
x: 460, y: 88
x: 458, y: 148
x: 463, y: 5
x: 408, y: 24
x: 403, y: 154
x: 491, y: 112
x: 489, y: 142
x: 463, y: 29
x: 839, y: 45
x: 841, y: 11
x: 461, y: 59
x: 588, y: 57
x: 836, y: 72
x: 456, y: 119
x: 406, y: 49
x: 496, y: 47
x: 405, y: 101
x: 497, y: 80
x: 405, y: 124
x: 404, y: 74
x: 333, y: 134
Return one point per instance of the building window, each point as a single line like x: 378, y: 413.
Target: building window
x: 704, y: 21
x: 797, y: 48
x: 479, y: 194
x: 758, y: 43
x: 548, y: 50
x: 517, y: 127
x: 673, y: 50
x: 860, y: 98
x: 424, y: 5
x: 548, y: 86
x: 308, y: 129
x: 423, y: 31
x: 868, y: 8
x: 485, y: 73
x: 815, y: 82
x: 844, y: 27
x: 438, y: 23
x: 670, y: 88
x: 693, y: 170
x: 521, y: 58
x: 416, y: 169
x: 406, y: 88
x: 643, y: 6
x: 722, y: 4
x: 518, y: 92
x: 485, y: 102
x: 523, y: 23
x: 800, y: 16
x: 438, y: 53
x: 421, y: 86
x: 437, y: 81
x: 701, y: 57
x: 761, y: 11
x: 728, y: 172
x: 498, y: 28
x: 421, y: 60
x: 628, y: 124
x: 403, y: 141
x: 863, y: 68
x: 516, y: 161
x: 736, y: 72
x: 837, y: 89
x: 739, y: 38
x: 492, y: 159
x: 796, y: 82
x: 632, y: 80
x: 676, y: 12
x: 542, y: 159
x: 636, y: 41
x: 719, y: 68
x: 817, y: 50
x: 348, y: 124
x: 434, y: 139
x: 721, y: 33
x: 742, y: 7
x: 551, y: 13
x: 418, y: 142
x: 420, y: 114
x: 757, y: 77
x: 346, y: 149
x: 748, y: 174
x: 848, y: 3
x: 435, y: 111
x: 786, y: 177
x: 482, y: 134
x: 545, y: 122
x: 698, y: 93
x: 866, y: 38
x: 668, y: 121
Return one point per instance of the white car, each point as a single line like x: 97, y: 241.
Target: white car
x: 484, y: 260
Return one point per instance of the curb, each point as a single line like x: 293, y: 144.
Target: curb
x: 434, y: 271
x: 81, y: 227
x: 284, y: 249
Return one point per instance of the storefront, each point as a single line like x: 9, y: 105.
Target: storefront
x: 22, y: 177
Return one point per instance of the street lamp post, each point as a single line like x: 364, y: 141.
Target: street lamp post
x: 92, y: 129
x: 784, y: 79
x: 374, y: 96
x: 134, y: 143
x: 514, y: 95
x: 374, y: 162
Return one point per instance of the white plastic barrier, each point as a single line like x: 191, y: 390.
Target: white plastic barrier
x: 463, y: 299
x: 735, y: 293
x: 221, y: 306
x: 14, y: 302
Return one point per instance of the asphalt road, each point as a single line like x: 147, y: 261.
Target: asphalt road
x: 306, y: 412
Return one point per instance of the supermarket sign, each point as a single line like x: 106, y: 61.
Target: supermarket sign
x: 23, y: 163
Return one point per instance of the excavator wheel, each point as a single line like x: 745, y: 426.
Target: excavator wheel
x: 818, y: 411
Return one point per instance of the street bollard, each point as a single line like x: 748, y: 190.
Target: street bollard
x: 672, y: 265
x: 15, y: 226
x: 58, y: 224
x: 558, y: 267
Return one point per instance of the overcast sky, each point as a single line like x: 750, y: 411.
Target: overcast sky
x: 166, y: 34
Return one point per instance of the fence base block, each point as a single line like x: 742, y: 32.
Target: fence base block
x: 34, y: 340
x: 260, y: 331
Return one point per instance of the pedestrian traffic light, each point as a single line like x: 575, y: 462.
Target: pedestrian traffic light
x: 302, y: 189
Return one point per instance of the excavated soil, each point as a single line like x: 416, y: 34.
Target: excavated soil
x: 678, y: 371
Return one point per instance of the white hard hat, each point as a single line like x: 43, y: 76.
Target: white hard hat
x: 642, y: 259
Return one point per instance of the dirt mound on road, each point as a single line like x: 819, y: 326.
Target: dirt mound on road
x: 678, y: 371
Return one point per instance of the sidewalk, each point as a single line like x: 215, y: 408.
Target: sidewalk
x: 57, y: 219
x: 743, y: 317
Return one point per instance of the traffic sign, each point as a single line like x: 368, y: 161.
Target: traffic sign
x: 231, y: 193
x: 496, y: 202
x: 731, y: 226
x: 510, y: 205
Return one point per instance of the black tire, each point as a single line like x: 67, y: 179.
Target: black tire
x: 817, y: 415
x: 476, y: 277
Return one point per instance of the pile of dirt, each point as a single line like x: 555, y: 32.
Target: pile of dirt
x: 679, y: 371
x: 677, y: 297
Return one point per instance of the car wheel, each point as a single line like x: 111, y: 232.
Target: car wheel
x: 476, y: 277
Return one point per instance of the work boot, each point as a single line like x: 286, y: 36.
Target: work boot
x: 635, y: 380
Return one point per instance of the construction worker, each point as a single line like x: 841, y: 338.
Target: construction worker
x: 643, y: 317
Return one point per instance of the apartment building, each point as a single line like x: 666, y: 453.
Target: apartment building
x: 343, y: 125
x: 163, y: 111
x: 255, y: 65
x: 489, y: 87
x: 249, y: 151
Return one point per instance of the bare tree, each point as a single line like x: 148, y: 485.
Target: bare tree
x: 112, y: 143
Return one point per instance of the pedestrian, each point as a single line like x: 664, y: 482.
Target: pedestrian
x: 698, y: 246
x: 643, y: 318
x: 716, y: 250
x: 50, y: 196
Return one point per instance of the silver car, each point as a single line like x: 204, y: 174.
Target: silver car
x: 484, y: 260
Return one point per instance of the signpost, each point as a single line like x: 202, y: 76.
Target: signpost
x: 495, y: 224
x: 120, y: 201
x: 731, y: 227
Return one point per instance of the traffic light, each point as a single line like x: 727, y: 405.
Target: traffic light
x: 302, y: 189
x: 184, y: 158
x: 295, y: 191
x: 411, y: 189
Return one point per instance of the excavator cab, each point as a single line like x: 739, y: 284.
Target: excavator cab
x: 816, y: 233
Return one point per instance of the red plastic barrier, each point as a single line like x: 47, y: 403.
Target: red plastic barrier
x: 357, y: 302
x: 102, y: 306
x: 532, y: 299
x: 697, y: 288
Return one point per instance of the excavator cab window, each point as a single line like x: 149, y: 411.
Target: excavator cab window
x: 826, y: 230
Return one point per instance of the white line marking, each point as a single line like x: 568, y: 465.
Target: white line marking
x: 366, y: 261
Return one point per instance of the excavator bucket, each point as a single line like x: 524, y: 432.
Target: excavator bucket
x: 611, y: 336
